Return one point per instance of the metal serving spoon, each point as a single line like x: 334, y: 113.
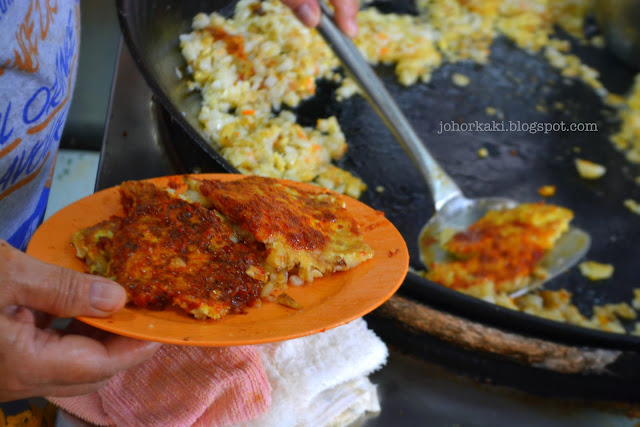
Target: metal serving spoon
x: 453, y: 209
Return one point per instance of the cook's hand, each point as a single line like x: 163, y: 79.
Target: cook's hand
x: 35, y: 361
x: 308, y: 11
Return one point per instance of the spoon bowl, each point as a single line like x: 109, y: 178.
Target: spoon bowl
x: 459, y: 213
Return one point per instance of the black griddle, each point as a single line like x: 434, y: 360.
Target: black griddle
x: 522, y: 87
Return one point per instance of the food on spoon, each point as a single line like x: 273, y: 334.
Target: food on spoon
x: 170, y: 250
x: 500, y: 253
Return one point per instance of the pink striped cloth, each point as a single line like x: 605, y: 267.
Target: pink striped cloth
x: 180, y: 386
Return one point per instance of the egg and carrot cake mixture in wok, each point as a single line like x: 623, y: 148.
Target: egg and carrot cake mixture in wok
x: 255, y: 67
x: 221, y: 246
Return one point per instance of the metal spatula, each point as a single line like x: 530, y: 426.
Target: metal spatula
x: 453, y: 209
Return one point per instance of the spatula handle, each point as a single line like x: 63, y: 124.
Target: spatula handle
x: 442, y: 187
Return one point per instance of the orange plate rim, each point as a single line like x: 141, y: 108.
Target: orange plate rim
x: 327, y: 303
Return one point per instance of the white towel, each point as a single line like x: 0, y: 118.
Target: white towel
x: 322, y: 379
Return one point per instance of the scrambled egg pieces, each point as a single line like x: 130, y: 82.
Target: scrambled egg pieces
x: 547, y: 190
x: 627, y: 139
x: 589, y: 170
x: 596, y: 270
x: 632, y: 205
x: 556, y: 305
x: 250, y: 67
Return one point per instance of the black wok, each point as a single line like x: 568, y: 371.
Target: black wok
x: 515, y: 83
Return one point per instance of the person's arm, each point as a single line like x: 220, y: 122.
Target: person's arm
x: 36, y: 361
x: 308, y: 11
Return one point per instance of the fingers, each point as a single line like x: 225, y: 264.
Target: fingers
x: 345, y: 12
x: 42, y: 362
x: 19, y: 314
x: 308, y: 12
x: 26, y: 315
x: 25, y: 281
x: 75, y: 359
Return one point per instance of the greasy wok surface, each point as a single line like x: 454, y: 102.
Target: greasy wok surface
x: 514, y: 83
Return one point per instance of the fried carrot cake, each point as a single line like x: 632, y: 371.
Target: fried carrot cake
x: 167, y: 251
x: 95, y: 244
x: 306, y: 234
x: 500, y: 252
x: 170, y: 251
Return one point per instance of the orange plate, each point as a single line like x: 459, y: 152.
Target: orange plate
x: 327, y: 303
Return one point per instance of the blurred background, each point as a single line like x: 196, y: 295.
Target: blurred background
x: 77, y: 162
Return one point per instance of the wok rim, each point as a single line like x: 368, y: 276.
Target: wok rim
x: 158, y: 91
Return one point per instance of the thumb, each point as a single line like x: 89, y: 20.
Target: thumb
x: 28, y: 282
x: 307, y: 11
